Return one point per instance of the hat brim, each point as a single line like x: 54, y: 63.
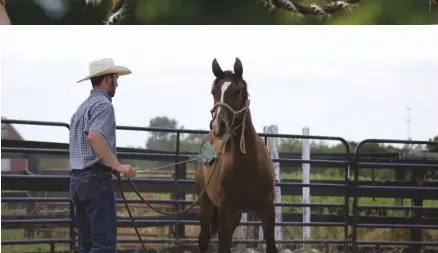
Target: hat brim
x: 113, y: 70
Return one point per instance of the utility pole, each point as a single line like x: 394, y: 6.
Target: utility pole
x: 400, y: 174
x: 408, y: 121
x: 407, y: 146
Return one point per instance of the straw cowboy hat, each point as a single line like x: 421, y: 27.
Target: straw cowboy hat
x: 103, y: 67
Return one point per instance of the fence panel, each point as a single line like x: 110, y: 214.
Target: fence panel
x: 348, y: 213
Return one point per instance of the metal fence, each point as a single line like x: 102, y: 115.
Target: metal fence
x: 351, y: 188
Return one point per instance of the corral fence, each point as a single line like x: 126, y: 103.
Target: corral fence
x: 30, y: 189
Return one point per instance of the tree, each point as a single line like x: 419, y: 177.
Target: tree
x: 167, y: 141
x: 377, y: 11
x: 226, y: 12
x: 433, y: 148
x: 161, y: 140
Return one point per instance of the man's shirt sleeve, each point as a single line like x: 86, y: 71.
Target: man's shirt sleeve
x: 102, y: 119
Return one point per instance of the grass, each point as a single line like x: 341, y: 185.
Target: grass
x: 18, y: 234
x: 289, y: 232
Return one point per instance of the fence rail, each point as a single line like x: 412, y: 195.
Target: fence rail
x: 351, y: 189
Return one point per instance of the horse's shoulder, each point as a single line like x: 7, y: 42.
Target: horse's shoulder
x: 264, y: 155
x: 261, y: 145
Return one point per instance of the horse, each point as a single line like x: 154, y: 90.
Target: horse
x: 242, y: 178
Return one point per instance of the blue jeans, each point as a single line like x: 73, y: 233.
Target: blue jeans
x: 95, y: 215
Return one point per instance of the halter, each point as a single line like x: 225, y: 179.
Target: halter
x: 233, y: 128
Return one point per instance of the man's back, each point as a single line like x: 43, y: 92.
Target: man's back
x: 95, y: 113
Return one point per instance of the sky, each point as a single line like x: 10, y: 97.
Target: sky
x: 355, y: 82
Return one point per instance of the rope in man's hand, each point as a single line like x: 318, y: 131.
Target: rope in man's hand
x: 125, y: 171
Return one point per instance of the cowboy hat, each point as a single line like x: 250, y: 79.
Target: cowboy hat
x: 103, y: 67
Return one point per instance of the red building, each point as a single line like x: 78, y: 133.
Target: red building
x: 12, y: 164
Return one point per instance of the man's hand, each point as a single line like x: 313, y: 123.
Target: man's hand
x: 126, y: 170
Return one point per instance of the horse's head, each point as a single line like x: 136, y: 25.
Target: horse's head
x: 230, y: 96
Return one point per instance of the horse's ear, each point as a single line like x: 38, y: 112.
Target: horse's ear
x: 217, y: 71
x: 238, y: 68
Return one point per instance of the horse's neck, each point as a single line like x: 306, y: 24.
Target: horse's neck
x: 250, y: 132
x: 249, y: 136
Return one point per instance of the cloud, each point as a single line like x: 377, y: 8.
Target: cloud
x: 345, y: 81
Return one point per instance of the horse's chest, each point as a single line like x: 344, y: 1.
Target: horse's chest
x: 234, y: 185
x: 239, y: 180
x: 242, y: 180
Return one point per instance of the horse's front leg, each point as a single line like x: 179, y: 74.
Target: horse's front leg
x: 266, y: 213
x: 227, y: 216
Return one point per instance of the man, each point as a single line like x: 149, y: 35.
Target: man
x: 93, y: 159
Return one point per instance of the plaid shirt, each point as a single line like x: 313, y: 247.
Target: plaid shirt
x: 96, y: 113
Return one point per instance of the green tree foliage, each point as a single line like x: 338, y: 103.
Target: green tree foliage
x: 191, y: 143
x: 214, y: 12
x: 167, y: 142
x: 162, y: 140
x: 433, y: 148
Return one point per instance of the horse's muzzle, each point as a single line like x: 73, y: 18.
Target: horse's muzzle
x: 223, y: 128
x: 220, y: 128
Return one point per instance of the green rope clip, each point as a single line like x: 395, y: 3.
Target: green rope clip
x: 208, y: 154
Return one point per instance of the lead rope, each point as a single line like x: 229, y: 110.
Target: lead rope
x: 242, y: 137
x: 222, y: 149
x: 129, y: 212
x: 152, y: 207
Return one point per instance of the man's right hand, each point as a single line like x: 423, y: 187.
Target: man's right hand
x: 127, y: 170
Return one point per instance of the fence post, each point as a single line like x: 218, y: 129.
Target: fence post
x: 244, y: 229
x: 179, y: 194
x: 417, y: 177
x: 273, y: 146
x: 306, y: 180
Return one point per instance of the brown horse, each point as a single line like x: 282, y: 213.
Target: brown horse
x: 242, y: 177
